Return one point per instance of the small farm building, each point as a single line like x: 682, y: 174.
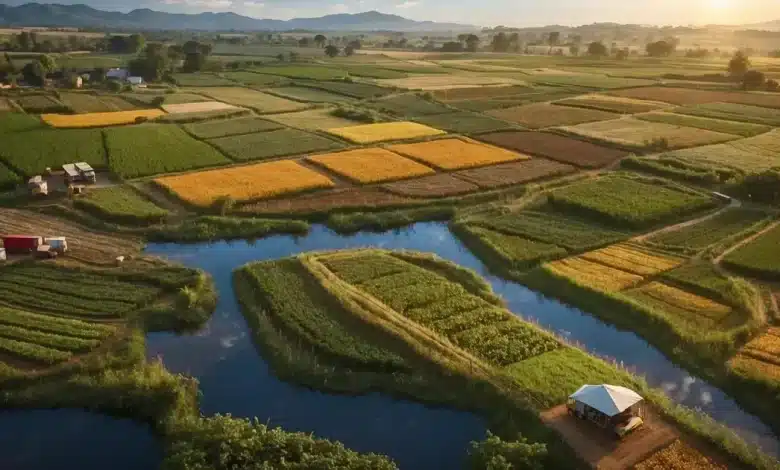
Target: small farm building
x: 604, y: 404
x: 118, y: 74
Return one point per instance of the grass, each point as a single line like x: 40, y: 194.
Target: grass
x: 100, y: 119
x: 629, y: 202
x: 734, y: 112
x: 463, y: 122
x: 386, y: 131
x: 716, y: 125
x: 211, y: 227
x: 121, y: 204
x: 509, y: 174
x: 8, y: 178
x: 541, y: 115
x: 371, y: 165
x: 710, y: 232
x: 555, y: 147
x: 759, y: 258
x: 31, y: 152
x: 244, y: 184
x: 638, y: 134
x: 408, y: 105
x: 354, y: 90
x: 314, y: 119
x: 152, y: 149
x: 454, y: 154
x: 257, y: 100
x: 275, y: 143
x: 38, y: 104
x: 305, y: 72
x: 311, y: 95
x: 253, y: 79
x: 511, y: 250
x: 611, y: 104
x: 200, y: 79
x: 228, y: 127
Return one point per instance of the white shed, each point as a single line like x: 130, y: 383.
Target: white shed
x: 609, y: 400
x: 135, y: 80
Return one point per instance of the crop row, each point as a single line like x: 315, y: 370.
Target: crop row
x: 122, y: 205
x: 593, y: 275
x: 506, y: 342
x: 122, y: 281
x: 63, y: 343
x: 709, y: 232
x: 513, y: 250
x: 692, y: 310
x: 35, y: 299
x: 632, y: 260
x: 55, y: 325
x: 761, y: 257
x: 118, y: 292
x: 33, y: 352
x: 357, y: 269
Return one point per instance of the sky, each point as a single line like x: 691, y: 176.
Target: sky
x: 479, y: 12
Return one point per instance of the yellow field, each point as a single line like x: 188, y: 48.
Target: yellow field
x: 593, y: 275
x: 686, y: 300
x: 244, y: 183
x: 678, y: 456
x: 761, y: 356
x: 751, y: 366
x: 99, y: 119
x: 372, y: 165
x: 197, y: 107
x: 382, y: 132
x: 452, y: 154
x: 630, y: 259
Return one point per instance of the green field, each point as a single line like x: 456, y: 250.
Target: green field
x: 707, y: 233
x: 151, y: 149
x: 408, y: 105
x: 262, y: 145
x: 121, y: 204
x: 354, y: 90
x: 18, y: 122
x: 200, y: 79
x: 743, y: 129
x: 88, y: 103
x: 38, y: 104
x: 31, y: 152
x: 629, y: 202
x: 370, y: 71
x: 462, y: 122
x: 228, y: 127
x: 612, y: 105
x: 313, y: 95
x: 8, y: 178
x: 734, y: 112
x: 306, y: 72
x: 512, y: 250
x: 759, y: 258
x: 253, y: 79
x: 247, y: 98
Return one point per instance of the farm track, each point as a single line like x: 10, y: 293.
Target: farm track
x: 688, y: 223
x: 717, y: 261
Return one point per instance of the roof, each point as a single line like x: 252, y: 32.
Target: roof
x: 608, y: 399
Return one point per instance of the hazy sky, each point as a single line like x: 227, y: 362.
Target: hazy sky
x: 482, y: 12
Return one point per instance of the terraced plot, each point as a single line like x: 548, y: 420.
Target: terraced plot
x: 452, y: 154
x: 632, y: 259
x: 509, y: 174
x: 541, y: 115
x: 257, y: 100
x: 371, y: 165
x: 431, y: 186
x: 702, y: 235
x: 638, y: 134
x: 555, y: 147
x: 243, y: 184
x: 274, y: 143
x: 383, y: 132
x: 228, y: 127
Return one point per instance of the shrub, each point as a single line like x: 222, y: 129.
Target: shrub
x: 496, y: 454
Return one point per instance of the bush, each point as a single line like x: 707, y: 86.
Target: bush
x: 772, y: 85
x: 496, y: 454
x: 753, y: 79
x: 357, y: 114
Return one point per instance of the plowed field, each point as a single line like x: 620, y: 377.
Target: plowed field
x: 556, y: 147
x: 323, y: 201
x: 431, y: 186
x: 508, y: 174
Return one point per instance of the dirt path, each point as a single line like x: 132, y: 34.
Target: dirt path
x: 673, y: 228
x: 744, y: 242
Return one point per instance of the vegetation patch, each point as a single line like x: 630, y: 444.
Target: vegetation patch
x: 200, y: 79
x: 313, y: 119
x: 180, y: 98
x: 101, y: 119
x: 678, y: 456
x: 588, y: 80
x: 228, y: 127
x: 555, y: 147
x: 245, y: 183
x: 32, y: 152
x: 611, y: 104
x: 447, y: 82
x: 9, y: 179
x: 276, y: 143
x: 352, y: 89
x: 88, y: 103
x: 39, y: 104
x: 678, y: 96
x: 463, y: 122
x: 454, y: 154
x: 483, y: 92
x: 386, y: 131
x: 121, y: 204
x: 252, y: 79
x: 18, y: 122
x: 540, y: 115
x: 743, y: 129
x: 595, y: 276
x: 225, y: 112
x: 695, y: 311
x: 760, y: 358
x: 324, y: 202
x: 257, y: 100
x: 632, y: 259
x: 699, y: 236
x: 382, y: 221
x: 313, y: 95
x: 212, y: 227
x: 629, y: 202
x: 760, y: 258
x: 408, y: 105
x: 442, y: 185
x: 509, y: 174
x: 734, y: 112
x: 512, y: 250
x: 152, y: 149
x: 371, y: 165
x: 306, y: 72
x: 198, y: 107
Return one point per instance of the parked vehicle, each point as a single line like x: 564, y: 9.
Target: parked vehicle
x: 21, y: 243
x: 58, y: 244
x: 82, y: 171
x: 45, y: 251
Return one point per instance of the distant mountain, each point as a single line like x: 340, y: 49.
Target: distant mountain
x: 83, y: 16
x: 768, y: 26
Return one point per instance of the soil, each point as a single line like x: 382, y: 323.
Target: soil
x: 441, y: 185
x: 508, y: 174
x: 555, y: 147
x: 600, y: 449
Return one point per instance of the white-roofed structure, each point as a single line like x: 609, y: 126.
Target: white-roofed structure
x: 610, y: 400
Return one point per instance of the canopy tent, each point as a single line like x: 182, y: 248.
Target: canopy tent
x: 608, y: 399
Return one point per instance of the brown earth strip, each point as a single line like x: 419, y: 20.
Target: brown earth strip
x: 556, y: 147
x: 431, y: 186
x: 508, y: 174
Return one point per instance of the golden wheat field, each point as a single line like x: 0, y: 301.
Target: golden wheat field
x: 245, y: 183
x: 761, y: 356
x: 678, y: 456
x: 630, y: 259
x: 686, y: 300
x: 385, y: 131
x: 453, y: 154
x: 100, y: 119
x: 593, y: 275
x: 372, y: 165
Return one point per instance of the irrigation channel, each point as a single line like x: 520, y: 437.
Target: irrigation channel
x: 235, y: 379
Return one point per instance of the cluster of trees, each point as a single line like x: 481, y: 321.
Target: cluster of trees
x: 33, y: 72
x: 30, y: 41
x: 663, y: 48
x: 739, y: 71
x: 157, y: 59
x: 131, y: 44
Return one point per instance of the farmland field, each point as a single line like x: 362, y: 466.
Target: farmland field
x: 32, y: 152
x: 198, y: 107
x: 181, y: 98
x: 633, y: 260
x: 100, y: 119
x: 595, y: 276
x: 18, y: 122
x: 306, y: 72
x: 200, y: 79
x: 452, y: 154
x: 253, y: 79
x: 692, y: 310
x: 36, y: 104
x: 716, y: 125
x: 431, y: 186
x: 88, y: 103
x: 500, y: 102
x: 508, y: 174
x: 408, y: 105
x: 485, y: 92
x: 734, y: 112
x: 446, y: 82
x: 228, y: 127
x: 629, y: 202
x: 555, y: 147
x: 588, y: 80
x: 540, y: 115
x: 387, y: 131
x: 371, y: 165
x: 152, y: 149
x: 274, y: 143
x: 760, y: 357
x: 635, y: 133
x: 688, y: 96
x: 354, y: 90
x: 243, y: 184
x: 515, y: 251
x: 5, y: 105
x: 363, y: 198
x: 463, y: 122
x: 257, y: 100
x: 314, y: 95
x: 760, y: 257
x: 121, y: 204
x: 678, y: 456
x: 709, y: 232
x: 611, y: 104
x: 226, y: 112
x: 313, y: 119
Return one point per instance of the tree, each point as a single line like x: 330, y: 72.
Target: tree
x: 332, y: 51
x: 552, y: 39
x: 472, y: 42
x: 452, y: 46
x: 205, y: 49
x: 175, y: 52
x: 761, y: 187
x: 194, y: 62
x: 574, y: 49
x: 739, y: 65
x: 772, y: 85
x: 753, y: 79
x: 514, y: 42
x: 622, y: 54
x: 349, y: 50
x: 660, y: 49
x: 47, y: 63
x: 190, y: 47
x: 496, y: 454
x: 355, y: 44
x: 303, y: 42
x: 320, y: 40
x: 597, y: 49
x: 500, y: 42
x: 135, y: 43
x: 33, y: 73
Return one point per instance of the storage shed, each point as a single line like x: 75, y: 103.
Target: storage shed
x: 605, y: 405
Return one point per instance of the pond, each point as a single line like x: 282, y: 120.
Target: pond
x: 235, y: 379
x: 47, y: 439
